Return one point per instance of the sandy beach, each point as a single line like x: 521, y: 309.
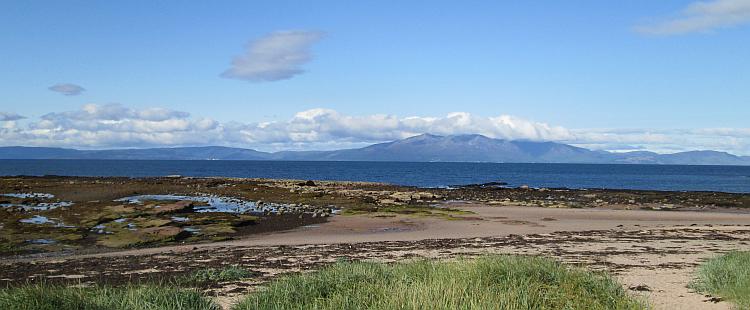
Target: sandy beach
x: 653, y: 253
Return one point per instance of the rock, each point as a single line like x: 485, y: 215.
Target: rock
x: 180, y: 206
x: 668, y: 207
x: 387, y: 202
x: 401, y: 196
x: 640, y: 288
x: 483, y: 185
x: 161, y: 232
x: 143, y: 236
x: 307, y: 183
x: 425, y: 196
x: 714, y: 299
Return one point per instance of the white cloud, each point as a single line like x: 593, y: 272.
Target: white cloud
x: 9, y: 117
x: 702, y: 16
x: 116, y: 112
x: 277, y: 56
x: 733, y: 140
x: 319, y: 125
x: 67, y: 89
x: 114, y: 125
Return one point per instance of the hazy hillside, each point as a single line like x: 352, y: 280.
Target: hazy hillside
x: 467, y: 148
x: 422, y: 148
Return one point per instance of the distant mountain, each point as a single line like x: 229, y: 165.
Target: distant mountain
x: 22, y: 152
x: 422, y: 148
x: 185, y: 153
x: 467, y: 148
x: 683, y: 158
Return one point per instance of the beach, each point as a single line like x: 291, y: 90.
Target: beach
x: 650, y: 241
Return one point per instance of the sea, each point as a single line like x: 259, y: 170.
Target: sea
x: 735, y: 179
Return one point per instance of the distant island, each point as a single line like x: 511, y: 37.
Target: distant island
x: 421, y: 148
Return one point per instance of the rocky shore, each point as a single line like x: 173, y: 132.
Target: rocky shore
x: 79, y: 214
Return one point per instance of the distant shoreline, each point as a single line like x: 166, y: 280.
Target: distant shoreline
x: 370, y: 161
x: 420, y: 148
x: 731, y: 179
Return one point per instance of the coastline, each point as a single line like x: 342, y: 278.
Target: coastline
x: 647, y: 239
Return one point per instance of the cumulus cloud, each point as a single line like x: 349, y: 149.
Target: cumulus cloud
x: 116, y: 112
x: 733, y: 140
x: 67, y: 89
x: 319, y: 125
x: 115, y: 125
x: 702, y: 16
x: 9, y: 117
x: 277, y: 56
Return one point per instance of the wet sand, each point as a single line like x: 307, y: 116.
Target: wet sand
x: 491, y: 221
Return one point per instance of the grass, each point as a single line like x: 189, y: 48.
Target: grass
x: 52, y: 297
x: 492, y: 282
x: 216, y: 275
x: 8, y: 247
x: 726, y: 276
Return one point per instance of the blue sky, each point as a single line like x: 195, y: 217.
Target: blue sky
x: 658, y: 75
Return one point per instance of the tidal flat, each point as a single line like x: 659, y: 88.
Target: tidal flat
x: 119, y: 231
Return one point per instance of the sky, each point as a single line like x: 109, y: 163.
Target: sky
x: 663, y: 76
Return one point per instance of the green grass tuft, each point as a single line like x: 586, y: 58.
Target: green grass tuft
x: 492, y: 282
x: 7, y: 247
x: 216, y: 275
x: 52, y: 297
x: 726, y: 276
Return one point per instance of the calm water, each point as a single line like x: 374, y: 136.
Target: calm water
x: 656, y: 177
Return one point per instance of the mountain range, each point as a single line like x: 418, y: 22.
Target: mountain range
x: 422, y: 148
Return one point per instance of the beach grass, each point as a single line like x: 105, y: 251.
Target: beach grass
x: 215, y: 275
x: 726, y: 276
x: 490, y: 282
x: 137, y: 297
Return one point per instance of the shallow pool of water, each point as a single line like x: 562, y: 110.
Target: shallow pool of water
x: 36, y: 219
x: 35, y: 206
x: 192, y: 230
x: 41, y: 241
x: 42, y: 206
x: 29, y: 195
x: 212, y: 203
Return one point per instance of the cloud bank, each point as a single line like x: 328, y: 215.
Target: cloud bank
x: 112, y: 125
x: 277, y: 56
x: 115, y: 126
x: 8, y: 117
x: 702, y: 16
x: 67, y: 89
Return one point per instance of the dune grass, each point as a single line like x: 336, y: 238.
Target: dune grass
x: 215, y: 275
x: 54, y: 297
x: 492, y: 282
x: 726, y: 276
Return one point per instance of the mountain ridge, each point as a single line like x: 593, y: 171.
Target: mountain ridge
x: 420, y: 148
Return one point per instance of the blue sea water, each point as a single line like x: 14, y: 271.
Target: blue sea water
x: 653, y: 177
